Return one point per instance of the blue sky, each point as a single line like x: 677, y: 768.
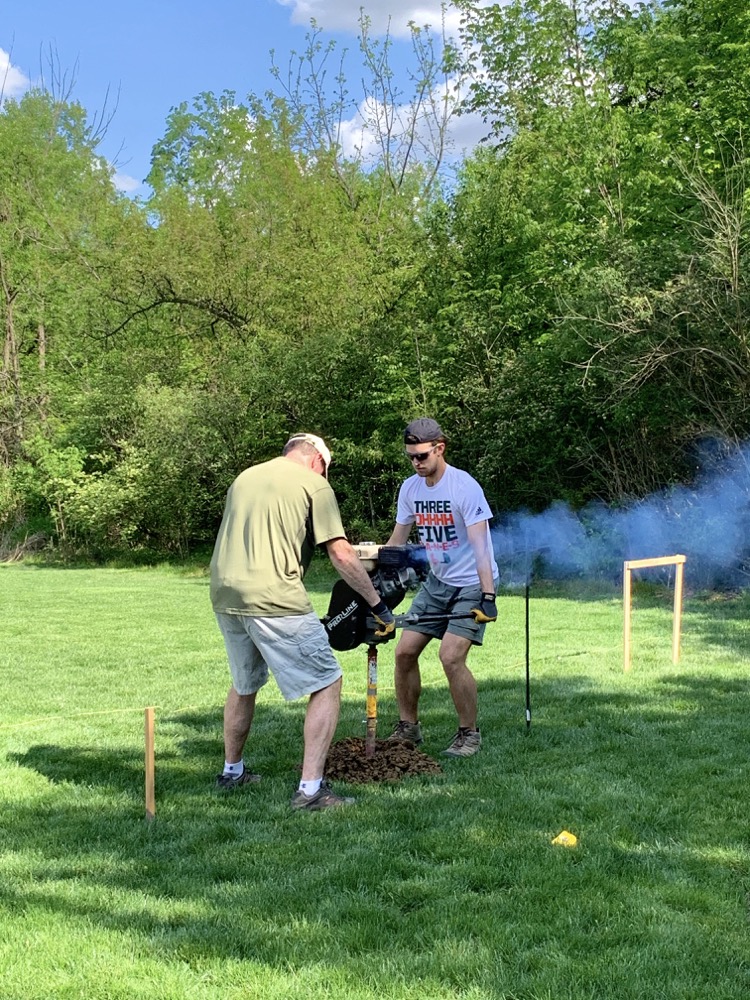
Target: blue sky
x: 151, y: 56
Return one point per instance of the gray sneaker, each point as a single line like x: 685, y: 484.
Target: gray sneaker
x: 324, y: 798
x: 465, y: 743
x: 406, y: 732
x: 228, y: 782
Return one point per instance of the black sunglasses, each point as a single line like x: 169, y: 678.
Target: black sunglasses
x: 420, y: 456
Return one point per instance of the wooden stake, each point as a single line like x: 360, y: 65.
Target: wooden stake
x: 150, y: 784
x: 677, y: 614
x: 627, y: 602
x: 679, y: 562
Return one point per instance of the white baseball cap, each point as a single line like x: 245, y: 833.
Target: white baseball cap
x: 318, y: 444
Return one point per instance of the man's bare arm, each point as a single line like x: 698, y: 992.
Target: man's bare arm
x: 347, y: 564
x: 478, y: 539
x: 400, y: 534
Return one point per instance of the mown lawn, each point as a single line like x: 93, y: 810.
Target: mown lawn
x: 429, y: 889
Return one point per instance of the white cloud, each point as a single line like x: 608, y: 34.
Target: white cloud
x: 125, y: 183
x: 359, y: 135
x: 343, y: 15
x: 358, y: 142
x: 12, y: 80
x: 465, y: 133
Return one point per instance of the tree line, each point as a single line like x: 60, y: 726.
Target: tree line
x: 571, y: 302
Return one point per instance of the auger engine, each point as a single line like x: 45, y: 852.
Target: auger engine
x: 393, y: 569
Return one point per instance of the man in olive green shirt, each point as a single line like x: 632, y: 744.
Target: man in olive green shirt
x: 276, y: 513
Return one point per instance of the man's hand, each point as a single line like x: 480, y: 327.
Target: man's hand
x: 384, y: 617
x: 487, y: 610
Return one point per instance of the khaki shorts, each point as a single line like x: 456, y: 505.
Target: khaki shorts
x: 435, y: 597
x: 295, y: 648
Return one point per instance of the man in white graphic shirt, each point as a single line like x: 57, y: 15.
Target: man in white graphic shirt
x: 452, y: 516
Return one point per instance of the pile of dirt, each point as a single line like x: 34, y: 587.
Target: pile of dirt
x: 346, y: 761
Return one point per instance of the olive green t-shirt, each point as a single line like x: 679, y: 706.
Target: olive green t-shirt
x: 275, y: 514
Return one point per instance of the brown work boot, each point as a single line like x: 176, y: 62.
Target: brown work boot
x: 324, y: 798
x: 406, y: 732
x: 465, y: 743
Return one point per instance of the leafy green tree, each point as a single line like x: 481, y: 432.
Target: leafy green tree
x: 528, y: 58
x: 55, y: 197
x: 578, y: 238
x: 265, y: 288
x: 573, y: 309
x: 58, y: 213
x: 685, y: 66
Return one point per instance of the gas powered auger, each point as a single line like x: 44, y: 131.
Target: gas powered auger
x: 393, y: 569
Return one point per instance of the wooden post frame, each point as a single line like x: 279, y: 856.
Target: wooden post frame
x: 150, y: 784
x: 627, y: 592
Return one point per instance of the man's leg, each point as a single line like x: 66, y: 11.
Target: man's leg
x: 322, y: 714
x: 320, y: 724
x: 238, y: 717
x: 454, y: 650
x: 407, y: 678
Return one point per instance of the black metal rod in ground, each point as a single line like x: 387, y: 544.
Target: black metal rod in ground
x: 528, y: 677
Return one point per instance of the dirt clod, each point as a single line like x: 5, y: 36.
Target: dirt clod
x: 346, y: 761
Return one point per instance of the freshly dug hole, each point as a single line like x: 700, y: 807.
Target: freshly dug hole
x: 346, y: 761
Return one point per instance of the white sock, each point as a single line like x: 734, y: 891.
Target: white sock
x: 236, y: 770
x: 310, y: 787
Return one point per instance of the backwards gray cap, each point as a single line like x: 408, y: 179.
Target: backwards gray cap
x: 422, y: 430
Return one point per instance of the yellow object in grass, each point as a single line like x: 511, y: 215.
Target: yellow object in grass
x: 566, y: 839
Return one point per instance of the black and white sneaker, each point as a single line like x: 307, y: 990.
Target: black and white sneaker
x: 324, y: 798
x: 406, y: 732
x: 465, y: 743
x: 228, y: 782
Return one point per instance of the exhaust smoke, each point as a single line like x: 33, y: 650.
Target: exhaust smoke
x: 708, y: 521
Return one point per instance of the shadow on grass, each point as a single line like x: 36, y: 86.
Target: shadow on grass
x: 720, y: 624
x: 189, y: 743
x: 117, y: 770
x: 431, y: 877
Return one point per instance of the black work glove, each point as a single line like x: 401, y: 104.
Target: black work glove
x: 487, y: 610
x: 384, y: 618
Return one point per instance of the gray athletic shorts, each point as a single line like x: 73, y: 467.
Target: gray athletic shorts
x: 435, y: 597
x: 295, y: 648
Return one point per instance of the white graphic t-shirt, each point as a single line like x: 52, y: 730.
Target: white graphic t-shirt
x: 441, y: 514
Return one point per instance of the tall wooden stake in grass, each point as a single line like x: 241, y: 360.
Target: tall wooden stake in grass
x: 372, y: 700
x: 627, y: 590
x: 150, y: 785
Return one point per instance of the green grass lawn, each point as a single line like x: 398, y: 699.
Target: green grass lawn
x: 429, y: 889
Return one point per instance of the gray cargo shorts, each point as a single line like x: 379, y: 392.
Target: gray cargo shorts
x: 435, y: 597
x: 294, y: 648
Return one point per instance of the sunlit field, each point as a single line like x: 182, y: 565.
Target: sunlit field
x: 428, y: 889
